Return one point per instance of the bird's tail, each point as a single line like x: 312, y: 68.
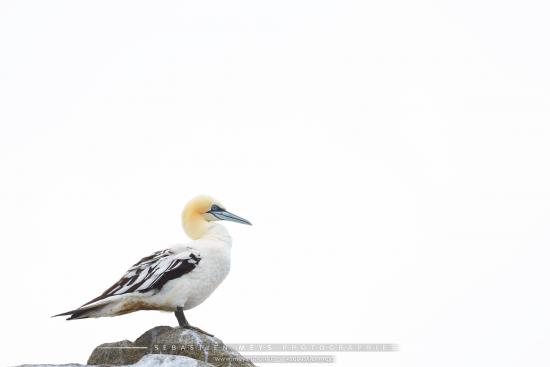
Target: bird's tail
x: 81, y: 313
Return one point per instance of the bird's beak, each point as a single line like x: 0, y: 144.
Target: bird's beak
x: 225, y: 215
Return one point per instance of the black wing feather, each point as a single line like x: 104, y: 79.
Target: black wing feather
x: 152, y: 273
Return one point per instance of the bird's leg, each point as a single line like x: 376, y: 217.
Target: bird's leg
x: 185, y: 324
x: 181, y: 318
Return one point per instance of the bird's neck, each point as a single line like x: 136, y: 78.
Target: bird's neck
x: 217, y: 232
x: 194, y: 225
x: 197, y: 227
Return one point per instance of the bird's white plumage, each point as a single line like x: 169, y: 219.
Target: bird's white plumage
x: 193, y: 288
x: 205, y: 263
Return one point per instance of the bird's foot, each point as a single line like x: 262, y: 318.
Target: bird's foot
x: 184, y: 324
x: 196, y: 329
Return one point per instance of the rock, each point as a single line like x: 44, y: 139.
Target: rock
x: 149, y: 360
x: 118, y: 353
x: 165, y: 340
x: 163, y: 360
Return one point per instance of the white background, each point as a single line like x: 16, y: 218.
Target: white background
x: 392, y: 155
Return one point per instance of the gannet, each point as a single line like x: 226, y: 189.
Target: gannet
x: 175, y: 279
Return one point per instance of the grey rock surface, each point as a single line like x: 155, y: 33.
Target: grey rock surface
x: 149, y: 360
x: 165, y: 340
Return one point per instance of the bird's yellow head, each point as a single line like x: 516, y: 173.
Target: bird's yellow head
x: 201, y: 210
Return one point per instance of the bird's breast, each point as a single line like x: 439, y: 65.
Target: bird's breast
x: 193, y: 288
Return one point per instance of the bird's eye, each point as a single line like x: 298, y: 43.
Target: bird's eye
x: 215, y: 207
